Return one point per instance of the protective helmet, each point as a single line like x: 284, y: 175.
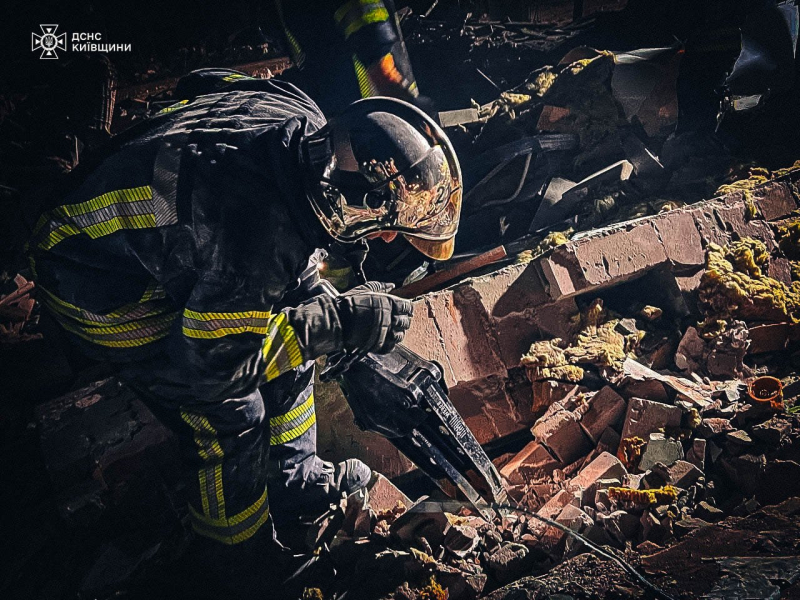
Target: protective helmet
x: 384, y: 165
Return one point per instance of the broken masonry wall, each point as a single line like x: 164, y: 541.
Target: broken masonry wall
x: 478, y: 329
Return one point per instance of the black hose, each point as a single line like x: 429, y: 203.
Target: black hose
x: 625, y: 566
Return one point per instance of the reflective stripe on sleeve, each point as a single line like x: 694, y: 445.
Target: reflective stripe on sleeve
x: 126, y: 209
x: 291, y: 425
x: 354, y: 15
x: 281, y: 350
x: 130, y: 326
x: 211, y: 325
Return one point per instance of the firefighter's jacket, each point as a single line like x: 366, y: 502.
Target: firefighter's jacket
x: 176, y: 247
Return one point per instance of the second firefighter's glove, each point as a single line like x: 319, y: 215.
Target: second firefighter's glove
x: 373, y: 320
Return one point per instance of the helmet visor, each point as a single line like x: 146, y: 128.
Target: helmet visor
x: 423, y: 201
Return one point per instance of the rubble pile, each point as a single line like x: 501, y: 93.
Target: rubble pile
x: 16, y: 309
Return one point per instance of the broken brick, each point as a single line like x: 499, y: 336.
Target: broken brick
x: 714, y: 426
x: 775, y: 200
x: 606, y: 409
x: 682, y: 474
x: 562, y: 434
x: 384, y: 495
x: 608, y: 256
x: 532, y: 461
x: 605, y: 466
x: 697, y: 453
x: 773, y: 431
x: 645, y: 417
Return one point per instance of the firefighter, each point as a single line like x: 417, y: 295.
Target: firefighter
x: 343, y: 50
x: 172, y: 251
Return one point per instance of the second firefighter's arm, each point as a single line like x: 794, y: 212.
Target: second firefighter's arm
x: 380, y: 59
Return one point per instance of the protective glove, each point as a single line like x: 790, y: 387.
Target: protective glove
x: 373, y: 320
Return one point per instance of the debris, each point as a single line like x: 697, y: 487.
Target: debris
x: 660, y: 449
x: 562, y: 435
x: 665, y: 495
x: 699, y: 395
x: 15, y: 313
x: 533, y: 461
x: 597, y: 343
x: 735, y: 285
x: 508, y: 562
x: 645, y: 417
x: 606, y: 409
x: 630, y: 451
x: 682, y: 474
x: 766, y: 391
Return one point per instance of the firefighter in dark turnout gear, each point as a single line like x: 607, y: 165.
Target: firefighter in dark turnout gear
x: 174, y: 251
x: 346, y: 49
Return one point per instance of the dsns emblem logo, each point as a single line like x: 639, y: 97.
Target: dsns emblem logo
x: 49, y: 41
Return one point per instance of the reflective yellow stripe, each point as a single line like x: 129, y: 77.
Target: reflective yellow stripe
x: 298, y: 56
x: 173, y: 107
x: 238, y: 528
x: 150, y: 307
x: 365, y: 85
x: 122, y: 222
x: 377, y: 15
x: 212, y: 325
x: 59, y: 235
x: 131, y: 208
x: 281, y: 350
x: 210, y: 476
x: 294, y: 433
x: 131, y: 335
x: 236, y: 77
x: 153, y: 291
x: 292, y: 414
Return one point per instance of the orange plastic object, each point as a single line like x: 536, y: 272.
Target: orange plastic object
x: 767, y: 391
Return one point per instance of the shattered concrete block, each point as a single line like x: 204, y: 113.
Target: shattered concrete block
x: 606, y: 409
x: 645, y: 417
x: 622, y: 526
x: 547, y: 393
x: 533, y: 461
x: 605, y: 466
x: 550, y: 510
x: 562, y: 434
x: 739, y: 437
x: 648, y: 389
x: 492, y: 408
x: 462, y: 116
x: 708, y: 512
x: 653, y: 529
x: 575, y: 519
x: 660, y: 449
x: 689, y: 524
